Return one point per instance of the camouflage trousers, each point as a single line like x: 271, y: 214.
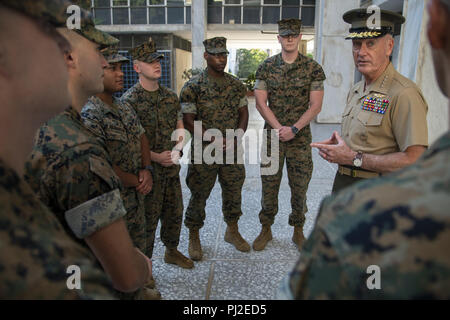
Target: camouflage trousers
x: 135, y: 220
x: 201, y: 179
x: 164, y: 203
x: 298, y: 157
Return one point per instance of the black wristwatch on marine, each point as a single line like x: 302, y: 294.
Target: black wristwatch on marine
x: 294, y: 130
x: 180, y: 151
x: 357, y: 160
x: 150, y: 168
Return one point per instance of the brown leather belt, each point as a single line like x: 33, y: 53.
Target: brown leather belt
x: 355, y: 173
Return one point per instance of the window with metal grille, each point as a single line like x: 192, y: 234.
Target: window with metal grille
x: 260, y: 11
x: 132, y: 12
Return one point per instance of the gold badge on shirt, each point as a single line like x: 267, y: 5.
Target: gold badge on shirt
x: 376, y: 103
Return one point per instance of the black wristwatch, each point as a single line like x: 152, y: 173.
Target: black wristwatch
x: 294, y: 130
x: 180, y: 151
x: 150, y: 168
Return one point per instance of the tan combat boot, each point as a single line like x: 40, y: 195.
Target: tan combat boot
x: 264, y: 237
x: 173, y: 256
x: 151, y: 283
x: 233, y: 236
x: 148, y: 294
x: 195, y: 248
x: 298, y: 237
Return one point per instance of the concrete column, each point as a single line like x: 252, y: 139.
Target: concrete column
x: 334, y: 53
x: 416, y: 63
x: 198, y: 27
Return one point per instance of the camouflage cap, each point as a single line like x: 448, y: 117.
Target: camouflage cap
x: 90, y: 32
x: 146, y: 52
x: 52, y: 11
x: 112, y: 55
x: 359, y: 18
x: 216, y: 45
x: 288, y: 27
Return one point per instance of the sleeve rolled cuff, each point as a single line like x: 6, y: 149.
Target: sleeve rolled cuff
x: 95, y: 214
x: 189, y: 108
x: 317, y: 86
x: 260, y: 85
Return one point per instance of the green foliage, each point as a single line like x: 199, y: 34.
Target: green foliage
x: 249, y: 60
x: 250, y: 81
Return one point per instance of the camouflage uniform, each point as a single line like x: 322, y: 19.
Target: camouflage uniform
x: 399, y: 222
x: 35, y: 250
x: 159, y: 113
x: 71, y: 172
x: 288, y: 87
x: 119, y: 127
x: 215, y: 102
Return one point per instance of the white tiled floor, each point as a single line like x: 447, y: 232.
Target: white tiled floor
x: 225, y: 273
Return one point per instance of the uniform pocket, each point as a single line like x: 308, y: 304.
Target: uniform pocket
x: 369, y: 118
x: 116, y: 134
x: 102, y: 169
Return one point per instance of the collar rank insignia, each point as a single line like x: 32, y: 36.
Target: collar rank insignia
x: 375, y: 104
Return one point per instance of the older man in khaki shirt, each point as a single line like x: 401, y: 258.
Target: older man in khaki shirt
x: 384, y: 126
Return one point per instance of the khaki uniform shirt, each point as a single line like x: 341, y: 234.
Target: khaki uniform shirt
x: 120, y: 129
x: 403, y: 123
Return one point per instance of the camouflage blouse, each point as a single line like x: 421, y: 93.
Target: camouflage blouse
x: 70, y: 170
x: 289, y: 85
x: 35, y: 251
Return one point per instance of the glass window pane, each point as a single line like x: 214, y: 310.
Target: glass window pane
x: 156, y: 15
x: 120, y: 16
x: 232, y: 1
x: 138, y: 3
x: 309, y: 2
x: 252, y: 15
x: 156, y: 2
x: 308, y: 16
x: 138, y: 16
x: 232, y: 13
x: 271, y: 1
x: 290, y: 12
x: 215, y: 2
x: 102, y: 3
x: 188, y: 15
x: 175, y: 3
x: 252, y: 2
x: 102, y: 16
x: 271, y: 14
x: 175, y: 15
x: 214, y: 14
x: 291, y: 2
x: 118, y: 3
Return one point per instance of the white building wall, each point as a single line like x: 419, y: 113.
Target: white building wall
x: 415, y: 62
x: 334, y: 53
